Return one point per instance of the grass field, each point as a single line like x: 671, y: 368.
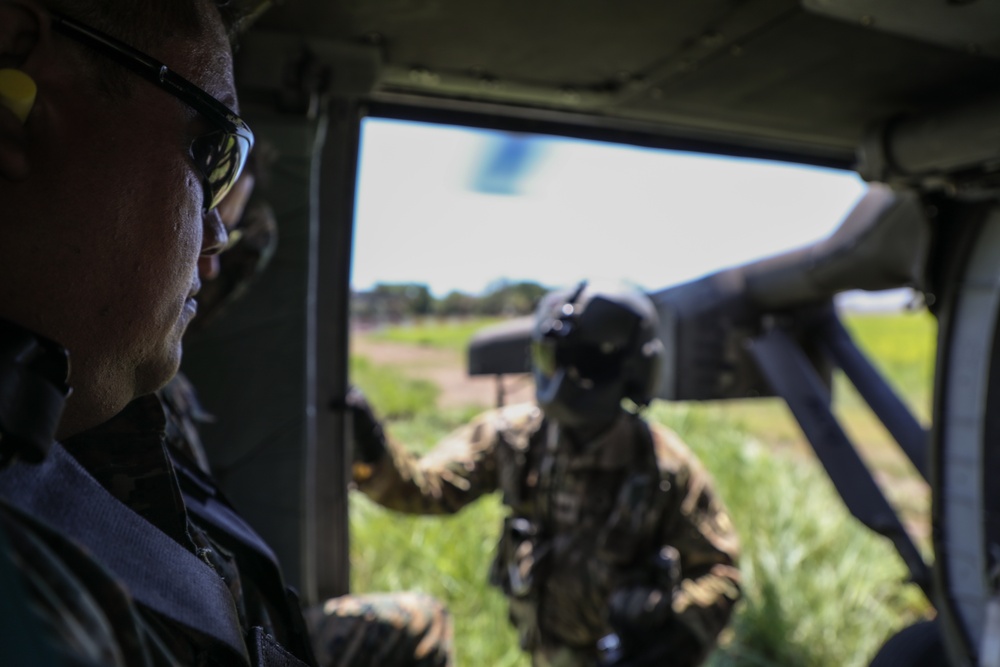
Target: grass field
x: 454, y: 334
x: 819, y: 588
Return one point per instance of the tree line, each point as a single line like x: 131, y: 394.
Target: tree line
x: 399, y: 301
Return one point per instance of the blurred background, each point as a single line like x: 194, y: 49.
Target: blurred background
x: 459, y: 228
x: 461, y: 209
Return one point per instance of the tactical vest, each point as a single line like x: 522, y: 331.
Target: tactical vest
x: 525, y: 465
x: 160, y: 574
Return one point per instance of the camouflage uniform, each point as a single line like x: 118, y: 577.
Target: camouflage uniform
x: 388, y: 629
x: 586, y: 523
x: 381, y: 630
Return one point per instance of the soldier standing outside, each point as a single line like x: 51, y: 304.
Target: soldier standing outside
x: 616, y: 549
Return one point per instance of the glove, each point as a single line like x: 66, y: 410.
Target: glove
x: 369, y: 438
x: 647, y: 633
x: 638, y: 608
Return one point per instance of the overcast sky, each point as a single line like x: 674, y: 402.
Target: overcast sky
x: 455, y: 208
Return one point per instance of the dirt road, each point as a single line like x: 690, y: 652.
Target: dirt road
x: 446, y: 369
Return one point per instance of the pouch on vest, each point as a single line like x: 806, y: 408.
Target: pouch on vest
x: 633, y: 525
x: 520, y: 560
x: 625, y: 535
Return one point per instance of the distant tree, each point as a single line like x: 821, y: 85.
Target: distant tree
x: 524, y: 296
x: 419, y: 299
x: 457, y: 303
x: 509, y: 298
x: 392, y: 302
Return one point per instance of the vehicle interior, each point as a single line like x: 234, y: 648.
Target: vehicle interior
x: 907, y: 94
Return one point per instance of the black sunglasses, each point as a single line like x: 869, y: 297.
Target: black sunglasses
x: 220, y: 155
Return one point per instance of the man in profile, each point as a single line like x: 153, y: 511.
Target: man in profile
x: 398, y: 629
x: 117, y: 143
x: 616, y: 549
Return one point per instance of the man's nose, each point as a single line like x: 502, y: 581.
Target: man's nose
x: 215, y: 236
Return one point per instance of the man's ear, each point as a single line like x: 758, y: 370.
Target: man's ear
x: 22, y: 26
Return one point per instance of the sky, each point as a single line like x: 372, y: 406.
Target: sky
x: 458, y: 209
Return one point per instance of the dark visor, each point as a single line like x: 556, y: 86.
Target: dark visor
x: 549, y: 355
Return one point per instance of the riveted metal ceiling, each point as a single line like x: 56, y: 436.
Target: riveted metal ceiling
x: 763, y: 73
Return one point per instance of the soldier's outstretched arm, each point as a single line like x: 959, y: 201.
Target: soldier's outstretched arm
x: 459, y: 470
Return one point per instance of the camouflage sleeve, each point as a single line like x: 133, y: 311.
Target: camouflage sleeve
x: 384, y: 629
x: 697, y: 525
x: 460, y: 469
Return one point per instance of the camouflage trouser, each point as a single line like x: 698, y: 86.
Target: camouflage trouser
x: 383, y: 629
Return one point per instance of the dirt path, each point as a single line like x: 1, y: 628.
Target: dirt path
x: 446, y: 369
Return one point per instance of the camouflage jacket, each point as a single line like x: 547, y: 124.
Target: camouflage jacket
x: 586, y: 522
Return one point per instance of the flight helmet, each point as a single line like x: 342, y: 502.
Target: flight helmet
x: 593, y: 346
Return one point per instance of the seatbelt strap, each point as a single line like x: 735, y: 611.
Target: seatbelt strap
x: 20, y: 632
x: 159, y: 573
x: 206, y: 502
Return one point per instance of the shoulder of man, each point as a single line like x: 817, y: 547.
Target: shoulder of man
x: 479, y: 437
x: 672, y: 454
x: 478, y: 440
x: 517, y: 423
x: 693, y: 487
x: 687, y: 476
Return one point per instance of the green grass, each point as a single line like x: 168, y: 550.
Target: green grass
x: 452, y: 334
x: 448, y: 557
x: 393, y: 395
x: 819, y: 589
x: 902, y: 347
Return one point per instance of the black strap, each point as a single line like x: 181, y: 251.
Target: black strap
x: 158, y: 572
x: 20, y: 632
x: 266, y: 652
x: 33, y: 392
x: 206, y: 502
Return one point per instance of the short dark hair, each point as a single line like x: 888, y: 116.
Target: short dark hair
x: 144, y: 24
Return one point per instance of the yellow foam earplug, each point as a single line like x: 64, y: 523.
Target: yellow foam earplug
x: 17, y: 92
